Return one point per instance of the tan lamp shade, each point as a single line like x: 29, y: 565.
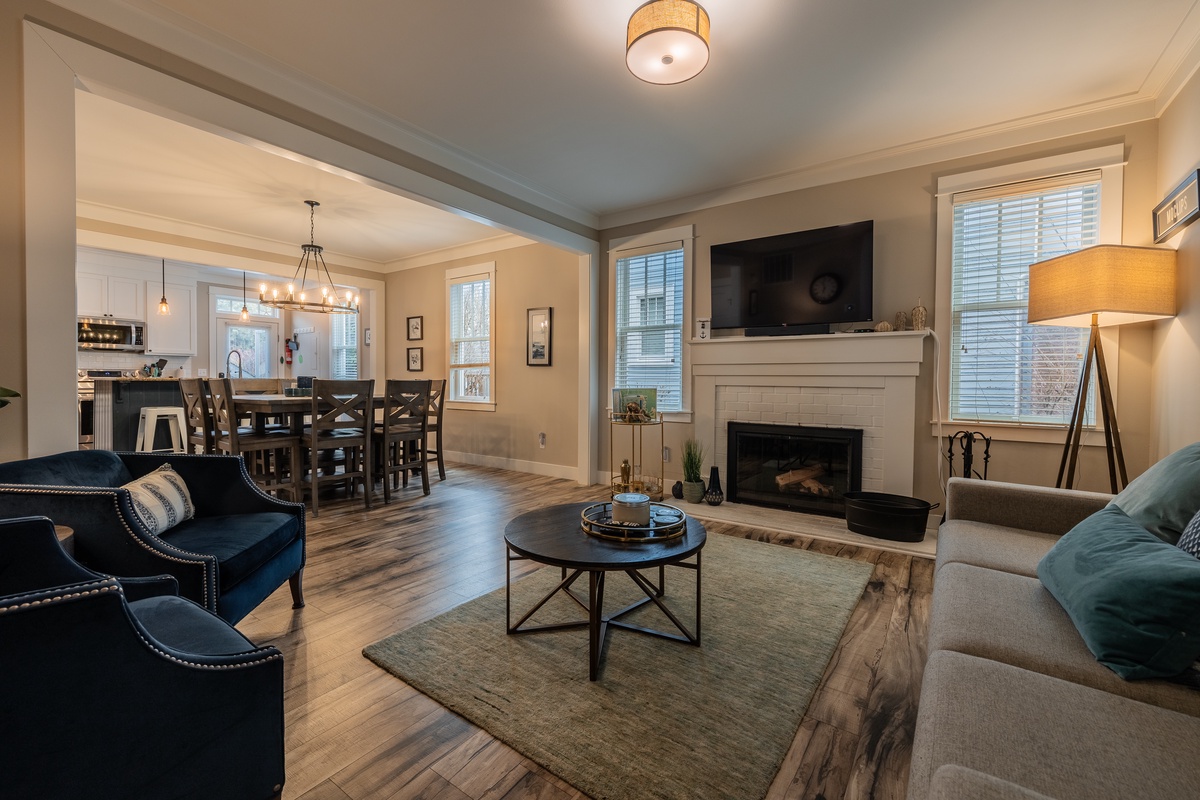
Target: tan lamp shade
x: 667, y: 41
x: 1117, y: 283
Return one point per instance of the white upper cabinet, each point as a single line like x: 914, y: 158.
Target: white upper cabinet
x: 175, y: 334
x: 109, y: 296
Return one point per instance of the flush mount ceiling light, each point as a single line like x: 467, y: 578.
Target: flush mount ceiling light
x: 299, y: 296
x: 667, y: 41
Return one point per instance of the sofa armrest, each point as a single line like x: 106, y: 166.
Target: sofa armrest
x: 1015, y: 505
x: 953, y: 782
x: 153, y: 586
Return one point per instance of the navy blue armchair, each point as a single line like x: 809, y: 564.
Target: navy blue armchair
x: 240, y: 547
x: 107, y: 696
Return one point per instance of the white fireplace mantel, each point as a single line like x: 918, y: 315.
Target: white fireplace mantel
x: 865, y: 380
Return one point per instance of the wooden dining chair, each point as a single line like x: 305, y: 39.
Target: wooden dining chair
x: 343, y: 418
x: 437, y: 392
x: 198, y: 412
x: 272, y: 459
x: 402, y: 436
x: 260, y: 386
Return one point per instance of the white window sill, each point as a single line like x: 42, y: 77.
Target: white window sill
x: 460, y: 405
x: 1093, y: 436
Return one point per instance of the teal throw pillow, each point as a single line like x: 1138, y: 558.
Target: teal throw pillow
x: 1163, y: 498
x: 1133, y: 598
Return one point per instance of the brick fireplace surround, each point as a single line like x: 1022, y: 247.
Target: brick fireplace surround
x: 859, y: 380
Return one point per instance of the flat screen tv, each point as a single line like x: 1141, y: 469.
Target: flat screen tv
x: 792, y: 283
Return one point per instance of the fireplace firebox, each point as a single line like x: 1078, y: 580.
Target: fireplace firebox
x: 797, y: 467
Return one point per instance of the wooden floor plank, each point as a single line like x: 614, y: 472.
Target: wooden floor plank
x: 354, y: 732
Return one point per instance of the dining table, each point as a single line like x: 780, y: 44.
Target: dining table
x: 261, y: 407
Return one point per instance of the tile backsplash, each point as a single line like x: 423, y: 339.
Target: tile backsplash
x: 130, y: 361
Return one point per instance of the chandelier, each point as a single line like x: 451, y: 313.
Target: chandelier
x: 297, y: 296
x: 667, y: 41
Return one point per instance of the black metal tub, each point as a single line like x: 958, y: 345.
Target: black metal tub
x: 887, y: 516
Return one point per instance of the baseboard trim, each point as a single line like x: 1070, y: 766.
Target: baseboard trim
x: 515, y: 465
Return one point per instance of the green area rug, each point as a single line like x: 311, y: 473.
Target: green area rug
x: 666, y: 719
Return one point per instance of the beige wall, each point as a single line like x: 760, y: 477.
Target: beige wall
x: 903, y: 204
x: 1176, y: 348
x: 12, y: 236
x: 529, y: 400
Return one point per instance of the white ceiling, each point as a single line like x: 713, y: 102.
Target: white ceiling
x: 535, y: 93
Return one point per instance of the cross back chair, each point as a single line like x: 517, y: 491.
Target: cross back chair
x: 437, y: 392
x: 199, y: 416
x: 343, y: 418
x: 272, y: 458
x: 403, y: 434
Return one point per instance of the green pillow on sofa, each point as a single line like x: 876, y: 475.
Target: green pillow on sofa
x: 1133, y: 597
x: 1163, y: 498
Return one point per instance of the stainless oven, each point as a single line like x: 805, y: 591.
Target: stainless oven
x: 87, y: 405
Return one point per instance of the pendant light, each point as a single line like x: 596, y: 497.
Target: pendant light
x: 245, y: 310
x: 667, y: 41
x: 164, y: 308
x: 298, y: 296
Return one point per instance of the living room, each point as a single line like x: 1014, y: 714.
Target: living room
x: 570, y: 269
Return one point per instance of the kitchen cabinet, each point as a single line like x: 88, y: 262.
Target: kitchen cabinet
x: 173, y: 335
x: 109, y: 296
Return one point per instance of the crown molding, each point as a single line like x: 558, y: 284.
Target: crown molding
x: 469, y: 250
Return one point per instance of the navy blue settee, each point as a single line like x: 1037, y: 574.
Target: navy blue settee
x: 108, y: 696
x: 240, y: 547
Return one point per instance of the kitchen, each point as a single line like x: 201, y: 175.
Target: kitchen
x: 130, y: 356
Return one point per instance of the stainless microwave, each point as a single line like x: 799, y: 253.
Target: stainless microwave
x: 105, y: 333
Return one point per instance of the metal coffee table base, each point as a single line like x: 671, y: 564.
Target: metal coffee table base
x: 597, y: 623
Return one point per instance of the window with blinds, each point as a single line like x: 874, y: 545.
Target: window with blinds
x: 1003, y: 369
x: 471, y: 365
x: 649, y: 325
x: 343, y: 336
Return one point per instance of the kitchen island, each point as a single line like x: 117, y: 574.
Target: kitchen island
x: 118, y: 407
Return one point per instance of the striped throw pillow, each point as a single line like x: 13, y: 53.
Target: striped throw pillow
x: 161, y: 499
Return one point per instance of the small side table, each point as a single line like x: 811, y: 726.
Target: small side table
x: 66, y: 538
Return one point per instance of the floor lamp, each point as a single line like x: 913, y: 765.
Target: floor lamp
x: 1097, y: 287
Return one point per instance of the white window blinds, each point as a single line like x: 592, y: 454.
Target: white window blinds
x: 1002, y: 368
x: 649, y: 327
x: 470, y: 378
x: 343, y: 335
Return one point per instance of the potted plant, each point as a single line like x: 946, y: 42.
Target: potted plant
x: 693, y: 462
x: 5, y: 394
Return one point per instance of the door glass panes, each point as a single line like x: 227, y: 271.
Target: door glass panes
x: 248, y: 351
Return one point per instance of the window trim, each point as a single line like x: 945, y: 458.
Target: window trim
x: 458, y: 275
x: 356, y: 347
x: 1110, y: 160
x: 617, y: 248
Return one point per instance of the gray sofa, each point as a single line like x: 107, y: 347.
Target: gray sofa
x: 1013, y: 704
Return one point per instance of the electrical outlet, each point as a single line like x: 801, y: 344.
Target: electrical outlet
x: 666, y: 454
x: 542, y: 441
x: 201, y: 373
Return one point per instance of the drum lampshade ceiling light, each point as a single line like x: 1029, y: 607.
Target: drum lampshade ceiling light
x: 667, y: 41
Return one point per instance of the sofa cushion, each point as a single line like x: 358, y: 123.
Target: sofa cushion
x: 993, y: 546
x: 1012, y: 618
x: 1048, y: 735
x: 240, y: 542
x: 72, y: 468
x: 952, y: 782
x: 1189, y: 540
x: 160, y: 499
x: 1165, y: 497
x: 1132, y: 597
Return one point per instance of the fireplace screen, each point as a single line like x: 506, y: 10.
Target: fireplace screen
x: 793, y: 466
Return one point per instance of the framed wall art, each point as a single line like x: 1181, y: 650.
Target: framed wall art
x: 537, y: 337
x: 414, y: 329
x: 416, y: 359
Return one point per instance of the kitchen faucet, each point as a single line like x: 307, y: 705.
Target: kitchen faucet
x: 228, y: 358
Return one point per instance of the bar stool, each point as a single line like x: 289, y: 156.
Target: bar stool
x: 148, y: 426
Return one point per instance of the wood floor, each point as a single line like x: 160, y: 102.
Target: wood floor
x: 354, y: 731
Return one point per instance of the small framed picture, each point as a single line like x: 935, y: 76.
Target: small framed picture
x: 416, y: 359
x: 414, y: 329
x: 537, y: 337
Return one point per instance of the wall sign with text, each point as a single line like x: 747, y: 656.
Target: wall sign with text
x: 1178, y: 210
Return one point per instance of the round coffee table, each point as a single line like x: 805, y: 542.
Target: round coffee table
x: 553, y: 536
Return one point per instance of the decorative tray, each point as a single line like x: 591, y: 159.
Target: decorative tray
x: 666, y: 522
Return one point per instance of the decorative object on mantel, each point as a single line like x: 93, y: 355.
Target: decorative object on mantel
x: 295, y: 296
x: 883, y: 327
x: 901, y: 321
x: 693, y: 462
x: 1106, y: 285
x: 966, y: 441
x: 920, y: 316
x: 714, y: 496
x: 677, y: 490
x: 667, y: 41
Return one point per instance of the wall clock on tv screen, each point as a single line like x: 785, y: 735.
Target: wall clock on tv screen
x: 825, y: 288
